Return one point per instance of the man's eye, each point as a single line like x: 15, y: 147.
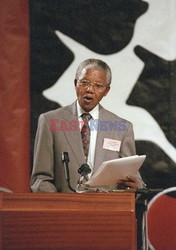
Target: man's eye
x: 84, y: 82
x: 98, y: 86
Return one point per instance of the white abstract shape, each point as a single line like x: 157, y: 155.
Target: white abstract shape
x: 145, y: 127
x: 155, y: 30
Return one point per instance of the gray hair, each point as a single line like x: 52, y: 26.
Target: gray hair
x: 91, y: 63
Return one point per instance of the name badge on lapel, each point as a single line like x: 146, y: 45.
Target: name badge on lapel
x: 111, y: 144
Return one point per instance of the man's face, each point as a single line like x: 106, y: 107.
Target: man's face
x: 91, y: 87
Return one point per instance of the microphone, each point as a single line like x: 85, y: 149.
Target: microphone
x: 65, y: 160
x: 84, y: 170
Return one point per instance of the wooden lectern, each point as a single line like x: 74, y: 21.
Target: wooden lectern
x: 90, y: 221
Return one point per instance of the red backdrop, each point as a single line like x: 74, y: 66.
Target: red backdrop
x: 14, y: 95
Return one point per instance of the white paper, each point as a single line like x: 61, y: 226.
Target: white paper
x: 111, y: 171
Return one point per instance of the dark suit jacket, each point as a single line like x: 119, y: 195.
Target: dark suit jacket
x: 48, y: 172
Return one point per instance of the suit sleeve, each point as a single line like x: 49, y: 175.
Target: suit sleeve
x: 43, y: 167
x: 128, y: 147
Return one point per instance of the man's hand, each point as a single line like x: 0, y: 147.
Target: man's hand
x: 130, y: 182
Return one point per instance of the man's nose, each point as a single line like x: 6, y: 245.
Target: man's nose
x: 90, y: 88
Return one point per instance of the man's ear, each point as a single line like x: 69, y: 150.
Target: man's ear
x: 107, y: 90
x: 75, y: 82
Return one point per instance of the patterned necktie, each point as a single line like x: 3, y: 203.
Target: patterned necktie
x: 85, y: 133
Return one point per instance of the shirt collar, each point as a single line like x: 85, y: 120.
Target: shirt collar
x: 94, y: 112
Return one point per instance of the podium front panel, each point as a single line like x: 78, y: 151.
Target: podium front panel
x: 92, y: 221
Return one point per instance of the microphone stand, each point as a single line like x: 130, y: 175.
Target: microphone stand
x: 65, y: 160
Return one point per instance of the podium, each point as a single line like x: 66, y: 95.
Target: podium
x: 92, y: 221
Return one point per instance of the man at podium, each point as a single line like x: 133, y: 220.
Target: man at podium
x: 85, y: 130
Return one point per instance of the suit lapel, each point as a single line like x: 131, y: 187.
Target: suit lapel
x: 74, y: 137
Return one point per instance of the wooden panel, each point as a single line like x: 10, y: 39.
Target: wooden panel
x: 1, y: 196
x: 69, y: 221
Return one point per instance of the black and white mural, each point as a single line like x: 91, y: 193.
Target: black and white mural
x: 138, y: 40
